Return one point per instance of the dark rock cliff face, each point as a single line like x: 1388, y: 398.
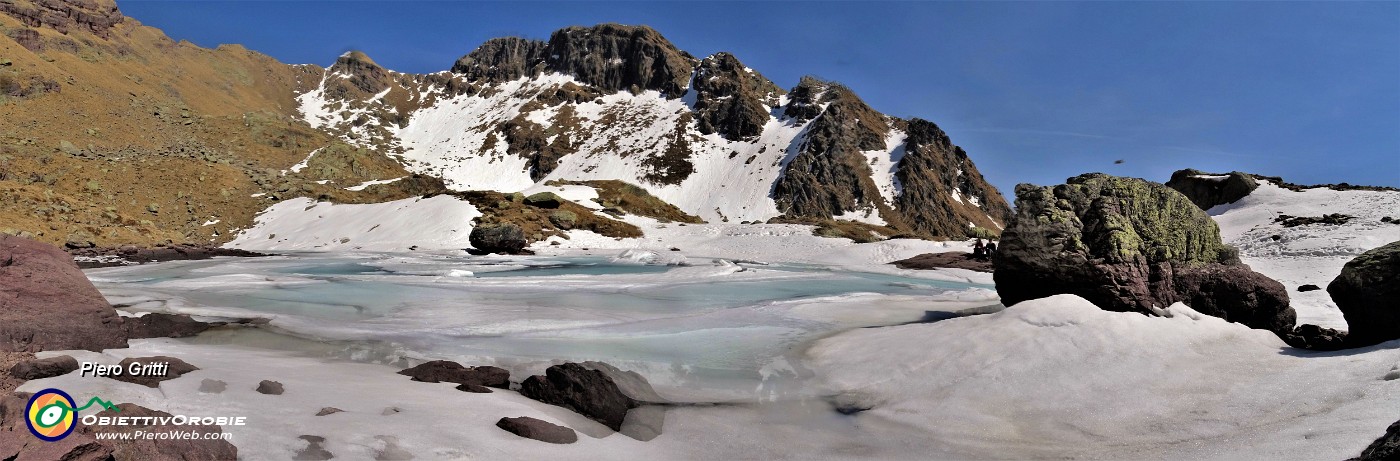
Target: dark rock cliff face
x: 611, y: 57
x: 502, y: 60
x: 1131, y: 245
x: 930, y: 171
x: 1208, y: 190
x: 830, y: 174
x: 730, y: 99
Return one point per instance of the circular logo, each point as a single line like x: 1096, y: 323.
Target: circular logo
x: 50, y: 415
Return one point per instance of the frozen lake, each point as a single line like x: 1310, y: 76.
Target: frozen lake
x: 700, y: 329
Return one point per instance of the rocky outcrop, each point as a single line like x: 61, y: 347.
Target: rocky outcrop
x: 731, y: 99
x: 942, y: 189
x: 1368, y: 294
x: 949, y: 260
x: 160, y: 325
x: 830, y: 175
x: 502, y: 60
x: 1127, y: 244
x: 91, y: 257
x: 612, y: 57
x: 502, y: 238
x: 66, y: 16
x: 48, y: 304
x: 1208, y: 190
x: 532, y: 428
x: 44, y: 368
x: 599, y: 391
x: 367, y: 78
x: 438, y: 371
x: 268, y: 387
x: 1385, y: 448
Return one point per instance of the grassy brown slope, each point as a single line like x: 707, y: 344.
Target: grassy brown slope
x: 630, y: 198
x: 124, y: 136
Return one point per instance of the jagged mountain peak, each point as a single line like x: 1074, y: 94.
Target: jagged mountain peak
x: 355, y: 58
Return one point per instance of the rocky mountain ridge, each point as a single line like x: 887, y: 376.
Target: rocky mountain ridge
x: 119, y: 135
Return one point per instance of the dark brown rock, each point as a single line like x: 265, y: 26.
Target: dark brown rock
x: 1334, y: 219
x: 473, y: 388
x: 1368, y: 294
x: 314, y: 451
x: 439, y: 371
x: 329, y: 411
x: 1313, y: 337
x: 175, y: 369
x: 1208, y: 190
x: 1127, y: 244
x: 1308, y: 287
x: 588, y: 392
x: 1385, y: 448
x: 830, y: 175
x: 44, y: 368
x: 951, y: 259
x: 504, y: 238
x: 543, y: 431
x: 502, y: 60
x: 107, y: 257
x: 9, y: 382
x: 48, y: 304
x: 270, y: 387
x: 160, y: 325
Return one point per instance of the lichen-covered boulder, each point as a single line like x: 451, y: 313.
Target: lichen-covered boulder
x: 1207, y: 190
x: 498, y: 238
x: 544, y: 200
x: 1368, y: 293
x: 1127, y: 244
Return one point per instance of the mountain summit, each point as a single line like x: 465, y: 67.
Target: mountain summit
x: 214, y: 136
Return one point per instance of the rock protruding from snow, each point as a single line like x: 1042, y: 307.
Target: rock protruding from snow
x: 438, y: 371
x: 48, y: 304
x: 173, y: 368
x: 543, y: 431
x: 599, y: 391
x: 1368, y: 294
x: 161, y: 325
x: 1385, y: 448
x: 1127, y: 244
x: 503, y: 238
x: 731, y: 99
x: 612, y: 57
x: 1208, y: 190
x: 941, y: 190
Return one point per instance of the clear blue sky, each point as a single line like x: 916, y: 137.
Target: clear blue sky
x: 1036, y: 92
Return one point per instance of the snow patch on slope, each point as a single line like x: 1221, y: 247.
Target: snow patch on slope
x: 1309, y: 254
x: 441, y: 222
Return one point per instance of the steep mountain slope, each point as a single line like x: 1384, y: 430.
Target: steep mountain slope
x: 709, y: 135
x: 115, y: 134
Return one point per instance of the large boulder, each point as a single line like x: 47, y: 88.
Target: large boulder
x: 498, y: 238
x: 44, y: 368
x: 164, y: 368
x: 1368, y: 293
x: 1130, y: 245
x: 46, y: 303
x: 599, y: 391
x: 1207, y: 190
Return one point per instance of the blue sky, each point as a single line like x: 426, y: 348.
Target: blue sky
x: 1036, y: 92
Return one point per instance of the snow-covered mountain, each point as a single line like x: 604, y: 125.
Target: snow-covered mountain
x: 711, y: 136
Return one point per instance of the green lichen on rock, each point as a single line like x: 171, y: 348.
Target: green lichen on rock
x: 544, y: 200
x: 1368, y: 294
x: 1123, y: 219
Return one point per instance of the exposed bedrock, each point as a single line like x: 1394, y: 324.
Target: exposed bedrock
x: 617, y: 399
x: 1130, y: 245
